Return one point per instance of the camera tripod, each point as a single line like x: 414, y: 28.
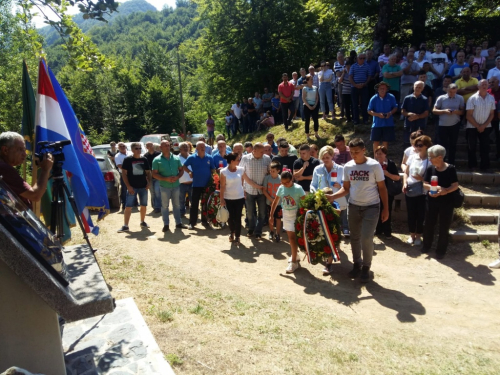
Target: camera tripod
x: 58, y: 205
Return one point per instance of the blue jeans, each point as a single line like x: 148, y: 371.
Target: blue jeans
x: 155, y: 194
x: 255, y: 224
x: 325, y: 94
x: 185, y: 189
x: 168, y: 194
x: 355, y: 93
x: 301, y: 107
x: 132, y: 198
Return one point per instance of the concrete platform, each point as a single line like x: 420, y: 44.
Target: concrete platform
x: 118, y: 343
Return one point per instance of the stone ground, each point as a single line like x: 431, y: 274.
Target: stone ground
x: 119, y: 343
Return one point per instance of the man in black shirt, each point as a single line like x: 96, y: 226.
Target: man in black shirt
x: 283, y: 157
x: 136, y: 173
x: 303, y: 168
x: 155, y: 187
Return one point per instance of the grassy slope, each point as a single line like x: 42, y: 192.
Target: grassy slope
x: 327, y: 130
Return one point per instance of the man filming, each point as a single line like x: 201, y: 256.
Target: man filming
x: 12, y: 154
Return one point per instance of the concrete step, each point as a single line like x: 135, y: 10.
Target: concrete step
x: 462, y: 155
x: 479, y: 178
x: 462, y: 147
x: 468, y: 236
x: 483, y: 200
x: 462, y: 163
x: 483, y: 218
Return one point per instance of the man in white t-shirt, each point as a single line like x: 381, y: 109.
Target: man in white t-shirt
x: 364, y: 180
x: 119, y: 157
x: 236, y: 111
x: 384, y: 58
x: 186, y: 182
x: 296, y: 93
x: 439, y: 65
x: 480, y: 111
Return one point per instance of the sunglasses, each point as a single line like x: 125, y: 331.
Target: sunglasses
x: 419, y: 145
x: 137, y: 148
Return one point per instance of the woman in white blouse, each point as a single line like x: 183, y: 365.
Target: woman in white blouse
x: 232, y: 195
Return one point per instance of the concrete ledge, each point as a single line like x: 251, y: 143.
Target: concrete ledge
x: 461, y: 236
x: 479, y: 218
x: 492, y: 200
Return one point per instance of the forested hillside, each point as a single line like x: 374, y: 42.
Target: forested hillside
x: 122, y: 78
x: 134, y: 6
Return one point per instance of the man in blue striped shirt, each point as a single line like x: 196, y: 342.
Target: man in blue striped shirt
x: 359, y: 76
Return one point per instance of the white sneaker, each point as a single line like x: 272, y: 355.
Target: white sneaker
x: 495, y: 264
x: 410, y: 240
x: 417, y: 242
x: 292, y: 266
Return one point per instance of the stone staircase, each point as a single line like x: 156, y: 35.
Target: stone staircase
x: 482, y: 199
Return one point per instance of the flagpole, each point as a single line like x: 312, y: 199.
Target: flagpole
x: 34, y: 166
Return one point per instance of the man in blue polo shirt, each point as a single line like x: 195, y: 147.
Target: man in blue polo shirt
x: 203, y: 167
x: 167, y: 168
x: 382, y: 107
x: 359, y: 76
x: 415, y: 111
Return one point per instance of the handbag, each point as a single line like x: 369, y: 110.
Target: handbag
x: 458, y: 198
x: 416, y: 189
x: 222, y: 214
x: 393, y: 187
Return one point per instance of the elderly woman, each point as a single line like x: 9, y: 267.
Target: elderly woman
x: 330, y: 175
x: 414, y: 190
x: 391, y: 174
x: 440, y: 202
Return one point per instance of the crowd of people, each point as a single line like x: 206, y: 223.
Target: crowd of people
x: 457, y: 87
x: 268, y: 181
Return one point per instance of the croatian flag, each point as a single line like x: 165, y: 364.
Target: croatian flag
x: 98, y: 196
x: 50, y: 126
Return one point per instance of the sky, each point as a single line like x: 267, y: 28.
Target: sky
x: 158, y: 4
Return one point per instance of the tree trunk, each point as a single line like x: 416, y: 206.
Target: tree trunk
x: 419, y: 17
x: 380, y: 35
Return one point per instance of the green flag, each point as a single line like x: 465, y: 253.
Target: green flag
x: 28, y: 124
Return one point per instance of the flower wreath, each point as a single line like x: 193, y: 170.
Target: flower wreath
x: 318, y: 228
x: 210, y: 202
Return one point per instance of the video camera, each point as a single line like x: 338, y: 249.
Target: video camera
x: 55, y: 148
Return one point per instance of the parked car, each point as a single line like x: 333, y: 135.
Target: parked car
x: 195, y: 138
x: 175, y: 141
x: 111, y: 179
x: 102, y: 150
x: 155, y: 138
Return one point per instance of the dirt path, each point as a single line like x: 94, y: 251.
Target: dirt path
x: 221, y: 309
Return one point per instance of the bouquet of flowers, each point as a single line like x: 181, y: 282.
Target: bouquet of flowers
x: 318, y: 228
x: 210, y: 202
